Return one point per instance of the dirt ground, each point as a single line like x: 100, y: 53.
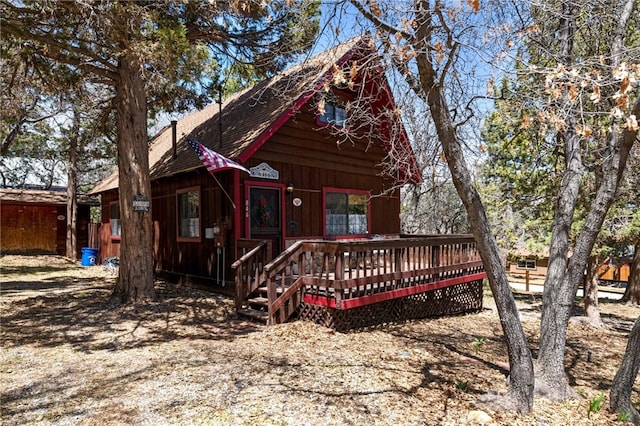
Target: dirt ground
x: 69, y: 357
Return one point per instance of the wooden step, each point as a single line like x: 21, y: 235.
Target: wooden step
x: 254, y: 314
x: 263, y: 290
x: 260, y: 301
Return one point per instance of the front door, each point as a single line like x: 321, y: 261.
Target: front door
x: 265, y: 215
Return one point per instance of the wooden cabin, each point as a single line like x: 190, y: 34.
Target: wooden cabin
x: 317, y: 170
x: 35, y: 221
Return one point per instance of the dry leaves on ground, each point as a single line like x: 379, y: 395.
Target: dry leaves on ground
x: 69, y: 357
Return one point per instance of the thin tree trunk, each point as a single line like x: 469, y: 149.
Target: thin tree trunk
x: 72, y: 200
x: 564, y: 276
x: 519, y: 396
x: 135, y: 280
x: 591, y: 309
x: 620, y: 395
x: 557, y: 296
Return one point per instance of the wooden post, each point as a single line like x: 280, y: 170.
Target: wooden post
x: 339, y: 274
x: 239, y: 287
x: 526, y: 281
x: 271, y: 298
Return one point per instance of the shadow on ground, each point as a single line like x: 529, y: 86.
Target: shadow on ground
x: 79, y: 312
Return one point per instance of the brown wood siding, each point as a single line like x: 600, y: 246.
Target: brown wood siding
x: 307, y: 158
x: 28, y: 227
x: 37, y: 227
x: 61, y: 231
x: 109, y: 247
x: 199, y: 259
x: 311, y: 160
x: 194, y: 258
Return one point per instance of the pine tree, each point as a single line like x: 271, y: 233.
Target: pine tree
x: 151, y: 56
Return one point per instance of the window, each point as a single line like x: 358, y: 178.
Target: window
x: 114, y: 220
x: 527, y: 264
x: 333, y: 113
x: 188, y: 201
x: 346, y: 212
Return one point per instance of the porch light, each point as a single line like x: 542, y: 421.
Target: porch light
x: 289, y: 188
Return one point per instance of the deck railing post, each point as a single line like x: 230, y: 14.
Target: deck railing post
x: 340, y: 265
x: 271, y: 298
x: 397, y: 260
x: 239, y: 287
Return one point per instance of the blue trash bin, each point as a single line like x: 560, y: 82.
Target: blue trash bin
x: 89, y: 256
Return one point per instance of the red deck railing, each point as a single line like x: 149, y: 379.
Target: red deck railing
x: 349, y: 274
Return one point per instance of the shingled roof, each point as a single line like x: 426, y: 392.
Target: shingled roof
x: 249, y: 117
x: 39, y: 196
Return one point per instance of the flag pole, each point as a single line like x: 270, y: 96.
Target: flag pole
x: 214, y: 161
x: 225, y: 192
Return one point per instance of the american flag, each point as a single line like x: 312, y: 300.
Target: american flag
x: 212, y: 160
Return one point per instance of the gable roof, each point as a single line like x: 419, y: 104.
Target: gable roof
x: 249, y: 118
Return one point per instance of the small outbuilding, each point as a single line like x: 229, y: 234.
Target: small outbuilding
x: 35, y: 221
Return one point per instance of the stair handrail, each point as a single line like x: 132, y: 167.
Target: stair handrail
x: 282, y: 306
x: 276, y: 265
x: 255, y: 278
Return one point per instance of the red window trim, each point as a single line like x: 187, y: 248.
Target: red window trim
x: 111, y: 236
x: 326, y: 189
x: 189, y: 239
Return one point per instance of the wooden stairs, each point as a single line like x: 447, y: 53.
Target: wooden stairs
x: 256, y: 305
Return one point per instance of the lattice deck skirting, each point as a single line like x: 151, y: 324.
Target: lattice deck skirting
x: 465, y: 297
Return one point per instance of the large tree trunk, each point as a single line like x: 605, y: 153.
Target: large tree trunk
x: 135, y: 280
x: 564, y: 277
x: 521, y: 381
x: 622, y: 385
x: 558, y: 296
x: 591, y: 309
x: 519, y: 397
x: 632, y: 293
x: 72, y: 200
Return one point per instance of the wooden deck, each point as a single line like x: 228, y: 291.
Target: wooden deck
x: 346, y: 284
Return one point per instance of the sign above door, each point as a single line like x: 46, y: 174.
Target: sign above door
x: 264, y: 171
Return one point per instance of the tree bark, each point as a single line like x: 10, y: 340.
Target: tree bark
x: 591, y: 309
x: 557, y: 296
x: 564, y: 276
x: 135, y: 280
x: 72, y: 200
x: 620, y: 395
x: 632, y: 293
x: 519, y: 396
